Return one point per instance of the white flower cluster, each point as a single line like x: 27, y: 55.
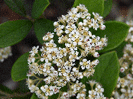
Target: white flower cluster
x: 73, y: 30
x: 58, y: 67
x: 130, y: 34
x: 96, y: 91
x: 75, y: 88
x: 127, y: 58
x: 5, y: 53
x: 124, y: 89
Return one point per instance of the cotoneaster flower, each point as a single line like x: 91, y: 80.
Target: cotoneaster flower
x: 59, y: 67
x: 5, y: 53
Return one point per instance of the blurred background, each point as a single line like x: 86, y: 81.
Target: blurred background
x: 120, y: 11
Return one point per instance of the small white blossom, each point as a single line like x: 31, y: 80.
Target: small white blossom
x: 5, y: 53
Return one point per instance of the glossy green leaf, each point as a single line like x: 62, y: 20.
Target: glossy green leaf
x: 20, y: 68
x: 34, y: 96
x: 12, y: 32
x: 116, y: 32
x: 41, y: 27
x: 17, y: 6
x: 92, y: 5
x: 38, y: 7
x: 107, y: 72
x: 107, y: 7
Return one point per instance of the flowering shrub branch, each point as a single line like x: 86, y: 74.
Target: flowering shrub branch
x: 73, y: 61
x: 58, y: 65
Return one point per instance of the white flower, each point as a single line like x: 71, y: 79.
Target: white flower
x: 48, y: 36
x: 96, y: 91
x: 85, y: 64
x: 56, y: 24
x: 65, y: 95
x: 130, y: 35
x: 94, y: 24
x: 34, y: 50
x: 33, y: 88
x: 5, y: 53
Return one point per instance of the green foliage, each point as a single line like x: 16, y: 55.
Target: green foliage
x: 5, y: 89
x: 107, y: 7
x: 92, y: 5
x: 34, y: 96
x: 17, y: 6
x: 6, y: 93
x: 38, y: 7
x: 120, y: 49
x: 20, y: 68
x: 107, y: 72
x: 116, y: 33
x: 41, y: 27
x: 22, y: 87
x: 55, y: 96
x: 12, y: 32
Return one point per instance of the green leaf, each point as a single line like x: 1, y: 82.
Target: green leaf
x: 120, y: 48
x: 84, y: 79
x: 5, y: 89
x: 38, y: 7
x: 64, y: 89
x: 12, y: 32
x: 107, y: 7
x: 34, y: 96
x: 116, y: 32
x: 20, y: 68
x: 107, y: 72
x: 22, y: 87
x: 17, y: 6
x: 41, y: 27
x: 55, y: 96
x: 13, y: 93
x: 92, y: 5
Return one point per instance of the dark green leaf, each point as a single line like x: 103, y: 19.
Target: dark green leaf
x: 107, y: 72
x: 64, y: 89
x: 34, y: 96
x: 5, y: 89
x: 92, y: 5
x: 20, y: 68
x: 107, y: 7
x: 84, y: 80
x: 22, y: 97
x: 116, y: 32
x: 55, y: 96
x: 22, y: 86
x: 38, y: 7
x: 41, y: 27
x: 120, y: 48
x: 12, y: 32
x: 13, y: 93
x: 55, y: 38
x: 17, y: 6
